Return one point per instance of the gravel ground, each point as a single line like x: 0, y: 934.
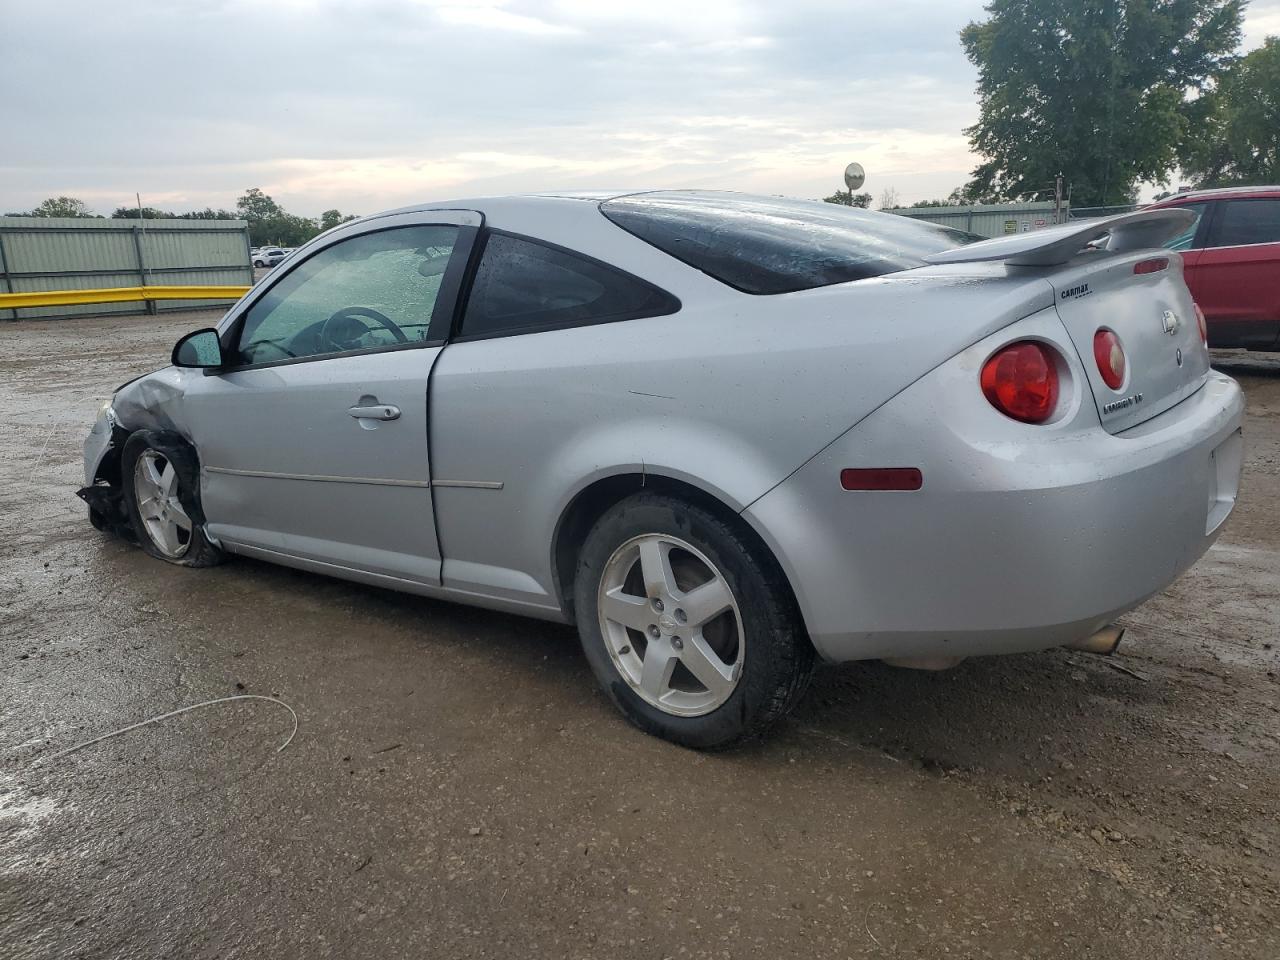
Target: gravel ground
x: 458, y: 788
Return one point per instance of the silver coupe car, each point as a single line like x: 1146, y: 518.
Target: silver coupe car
x: 724, y: 435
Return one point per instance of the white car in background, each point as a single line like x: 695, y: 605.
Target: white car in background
x: 268, y: 256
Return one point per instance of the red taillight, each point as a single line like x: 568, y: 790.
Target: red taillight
x: 1110, y: 357
x: 1154, y: 265
x: 1203, y: 324
x: 881, y: 478
x: 1021, y: 381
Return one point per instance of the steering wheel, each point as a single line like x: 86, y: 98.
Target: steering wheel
x: 343, y: 328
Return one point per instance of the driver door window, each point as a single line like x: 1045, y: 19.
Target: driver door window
x: 374, y: 291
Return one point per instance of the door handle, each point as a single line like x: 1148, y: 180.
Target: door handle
x: 376, y: 411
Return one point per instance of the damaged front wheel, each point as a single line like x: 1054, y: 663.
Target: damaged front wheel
x: 161, y: 480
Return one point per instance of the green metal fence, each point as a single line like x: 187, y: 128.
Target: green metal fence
x: 991, y: 220
x: 43, y: 254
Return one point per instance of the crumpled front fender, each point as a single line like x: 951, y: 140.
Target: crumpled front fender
x: 152, y: 402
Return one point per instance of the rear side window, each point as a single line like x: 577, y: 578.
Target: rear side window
x: 766, y: 245
x: 1242, y: 222
x: 523, y: 285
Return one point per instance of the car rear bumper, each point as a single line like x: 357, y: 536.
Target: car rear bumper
x: 1021, y: 538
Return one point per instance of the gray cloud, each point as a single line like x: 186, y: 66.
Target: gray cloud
x: 378, y: 103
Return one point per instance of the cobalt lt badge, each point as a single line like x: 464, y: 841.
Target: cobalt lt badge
x: 1170, y: 322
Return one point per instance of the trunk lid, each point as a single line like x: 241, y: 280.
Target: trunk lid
x: 1151, y: 312
x: 1153, y: 315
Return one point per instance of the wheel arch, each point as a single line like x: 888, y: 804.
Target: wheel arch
x: 182, y: 453
x: 595, y: 497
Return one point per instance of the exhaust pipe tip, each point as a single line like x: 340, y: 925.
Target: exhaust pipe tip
x: 1104, y: 642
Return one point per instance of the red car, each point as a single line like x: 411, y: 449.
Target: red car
x: 1232, y: 261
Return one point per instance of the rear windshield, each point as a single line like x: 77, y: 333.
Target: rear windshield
x: 769, y: 245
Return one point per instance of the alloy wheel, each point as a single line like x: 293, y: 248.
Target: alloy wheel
x: 155, y: 486
x: 671, y: 625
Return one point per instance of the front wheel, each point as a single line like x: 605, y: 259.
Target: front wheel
x: 160, y: 480
x: 688, y: 624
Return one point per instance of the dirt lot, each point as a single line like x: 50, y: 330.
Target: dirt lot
x: 457, y: 787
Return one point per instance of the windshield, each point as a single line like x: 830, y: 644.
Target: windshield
x: 766, y: 245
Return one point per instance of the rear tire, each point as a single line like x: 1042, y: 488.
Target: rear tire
x: 160, y: 480
x: 688, y: 624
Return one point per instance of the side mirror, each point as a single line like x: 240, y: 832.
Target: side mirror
x: 199, y: 349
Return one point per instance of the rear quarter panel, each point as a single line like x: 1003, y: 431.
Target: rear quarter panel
x: 1020, y: 538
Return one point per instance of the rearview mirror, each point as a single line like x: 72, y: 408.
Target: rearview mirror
x: 199, y: 349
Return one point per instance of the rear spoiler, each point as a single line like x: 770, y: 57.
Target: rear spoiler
x: 1046, y: 248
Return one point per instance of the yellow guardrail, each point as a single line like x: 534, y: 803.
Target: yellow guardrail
x: 68, y: 298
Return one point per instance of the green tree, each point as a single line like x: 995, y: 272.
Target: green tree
x: 60, y: 207
x: 152, y: 213
x: 270, y: 223
x: 208, y: 213
x: 959, y: 197
x: 1092, y: 89
x: 1238, y: 138
x: 332, y: 218
x: 149, y: 213
x: 284, y: 229
x: 847, y: 199
x: 956, y: 198
x: 256, y: 205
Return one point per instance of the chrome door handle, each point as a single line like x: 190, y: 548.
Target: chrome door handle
x: 377, y: 411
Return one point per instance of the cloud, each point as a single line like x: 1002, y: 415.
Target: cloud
x: 1261, y: 20
x: 494, y: 17
x: 326, y: 103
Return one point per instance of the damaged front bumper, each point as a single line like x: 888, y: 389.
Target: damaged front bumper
x: 143, y: 404
x: 100, y: 443
x: 102, y: 490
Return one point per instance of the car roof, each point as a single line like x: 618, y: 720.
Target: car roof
x: 569, y: 198
x: 484, y: 204
x: 1218, y: 193
x: 597, y: 195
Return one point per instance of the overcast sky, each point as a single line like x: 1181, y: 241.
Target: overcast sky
x: 372, y: 104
